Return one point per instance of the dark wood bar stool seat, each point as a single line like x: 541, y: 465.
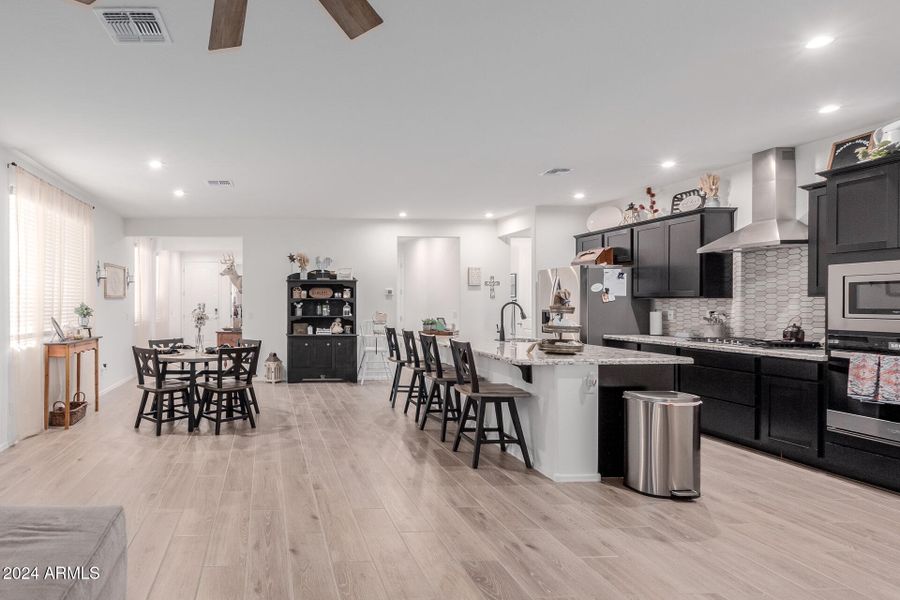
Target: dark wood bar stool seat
x: 478, y: 394
x: 399, y: 362
x: 415, y: 392
x: 228, y: 387
x: 152, y: 381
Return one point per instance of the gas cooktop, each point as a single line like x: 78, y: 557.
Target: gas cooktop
x: 755, y: 342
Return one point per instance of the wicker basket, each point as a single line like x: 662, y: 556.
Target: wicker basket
x: 77, y: 410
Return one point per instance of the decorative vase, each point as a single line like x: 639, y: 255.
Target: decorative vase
x: 84, y: 321
x: 713, y: 202
x: 199, y: 341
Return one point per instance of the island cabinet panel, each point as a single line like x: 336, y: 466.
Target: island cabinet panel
x: 863, y: 209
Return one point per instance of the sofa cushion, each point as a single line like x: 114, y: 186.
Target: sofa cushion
x: 62, y: 553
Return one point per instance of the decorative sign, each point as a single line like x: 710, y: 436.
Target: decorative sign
x: 688, y: 200
x: 475, y: 276
x: 843, y: 153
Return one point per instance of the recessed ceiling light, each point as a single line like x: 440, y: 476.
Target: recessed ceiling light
x: 179, y: 193
x: 819, y: 41
x: 667, y: 164
x: 402, y: 215
x: 578, y: 195
x: 829, y: 108
x: 488, y: 215
x: 155, y: 164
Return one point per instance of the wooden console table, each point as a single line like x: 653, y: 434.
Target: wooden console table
x: 65, y: 349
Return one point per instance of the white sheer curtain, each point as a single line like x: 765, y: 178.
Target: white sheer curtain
x: 51, y: 246
x: 144, y: 290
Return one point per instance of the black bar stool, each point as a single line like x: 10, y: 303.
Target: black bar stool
x: 442, y: 378
x: 152, y: 380
x: 395, y: 357
x: 478, y: 395
x: 416, y: 387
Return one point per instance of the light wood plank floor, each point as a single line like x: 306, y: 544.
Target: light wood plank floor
x: 335, y: 495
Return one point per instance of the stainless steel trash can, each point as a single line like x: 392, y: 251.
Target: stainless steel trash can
x: 662, y: 436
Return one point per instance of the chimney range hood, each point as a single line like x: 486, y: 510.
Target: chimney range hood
x: 774, y: 207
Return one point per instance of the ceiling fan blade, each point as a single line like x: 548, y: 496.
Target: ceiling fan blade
x: 355, y: 17
x: 227, y: 30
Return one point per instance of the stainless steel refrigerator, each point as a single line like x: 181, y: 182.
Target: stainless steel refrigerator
x: 620, y: 314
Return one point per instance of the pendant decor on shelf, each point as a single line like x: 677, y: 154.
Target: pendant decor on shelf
x: 688, y: 200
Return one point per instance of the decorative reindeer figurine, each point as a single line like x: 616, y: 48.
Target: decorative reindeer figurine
x: 231, y: 272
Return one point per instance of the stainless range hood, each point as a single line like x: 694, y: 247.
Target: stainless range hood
x: 774, y: 207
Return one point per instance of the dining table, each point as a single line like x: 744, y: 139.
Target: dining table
x: 192, y: 358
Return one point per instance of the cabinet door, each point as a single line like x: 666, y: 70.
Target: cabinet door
x: 817, y: 281
x: 790, y: 417
x: 589, y: 242
x: 863, y: 209
x: 651, y: 272
x: 345, y: 358
x: 620, y: 242
x: 684, y: 263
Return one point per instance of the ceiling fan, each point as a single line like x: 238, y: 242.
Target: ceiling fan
x: 355, y: 17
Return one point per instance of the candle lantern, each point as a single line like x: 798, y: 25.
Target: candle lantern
x: 274, y: 369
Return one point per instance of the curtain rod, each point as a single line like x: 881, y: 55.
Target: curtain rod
x: 13, y: 164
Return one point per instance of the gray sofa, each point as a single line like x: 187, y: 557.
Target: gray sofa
x: 62, y: 553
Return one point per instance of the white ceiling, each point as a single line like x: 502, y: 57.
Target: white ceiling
x: 449, y: 109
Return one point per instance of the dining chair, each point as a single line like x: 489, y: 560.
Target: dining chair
x: 228, y: 386
x: 182, y: 372
x: 258, y: 345
x: 152, y: 380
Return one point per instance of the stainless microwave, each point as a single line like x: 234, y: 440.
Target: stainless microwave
x: 864, y: 297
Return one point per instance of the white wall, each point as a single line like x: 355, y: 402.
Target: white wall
x: 368, y: 247
x: 113, y: 319
x: 428, y: 280
x: 521, y: 262
x: 7, y: 426
x: 554, y: 228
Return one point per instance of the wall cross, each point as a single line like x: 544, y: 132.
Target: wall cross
x: 492, y: 283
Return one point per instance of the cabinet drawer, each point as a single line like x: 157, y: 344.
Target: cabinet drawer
x: 721, y: 360
x: 659, y: 348
x: 732, y: 386
x: 621, y: 344
x: 794, y: 369
x: 728, y: 420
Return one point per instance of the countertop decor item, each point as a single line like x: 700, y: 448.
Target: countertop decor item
x: 688, y: 200
x: 320, y: 293
x: 877, y: 150
x: 604, y: 217
x: 560, y: 325
x: 84, y: 313
x: 650, y: 209
x: 199, y: 316
x: 300, y: 259
x: 337, y: 327
x: 843, y: 152
x: 709, y: 185
x: 794, y: 330
x: 714, y: 324
x: 322, y: 270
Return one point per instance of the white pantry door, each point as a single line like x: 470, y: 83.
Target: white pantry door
x: 201, y: 282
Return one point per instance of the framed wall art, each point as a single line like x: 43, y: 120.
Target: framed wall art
x: 843, y: 153
x: 474, y: 276
x: 115, y: 282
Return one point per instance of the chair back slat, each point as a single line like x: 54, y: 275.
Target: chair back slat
x: 431, y: 356
x: 149, y: 369
x: 412, y: 352
x: 464, y: 363
x: 393, y: 345
x: 255, y: 359
x: 165, y: 343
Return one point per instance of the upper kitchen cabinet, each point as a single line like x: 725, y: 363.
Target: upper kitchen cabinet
x: 620, y: 241
x: 589, y: 242
x: 863, y: 206
x: 817, y: 281
x: 666, y: 261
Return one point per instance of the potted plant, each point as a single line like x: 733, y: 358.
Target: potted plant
x: 200, y: 318
x: 84, y: 313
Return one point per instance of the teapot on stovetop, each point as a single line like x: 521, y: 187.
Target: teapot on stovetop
x: 794, y: 331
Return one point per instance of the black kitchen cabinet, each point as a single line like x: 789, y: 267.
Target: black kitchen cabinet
x: 790, y: 410
x: 863, y: 207
x: 666, y: 261
x: 589, y: 242
x: 312, y: 357
x: 620, y: 242
x: 817, y: 281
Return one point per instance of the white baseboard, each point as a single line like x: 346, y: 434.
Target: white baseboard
x: 114, y: 385
x: 570, y: 478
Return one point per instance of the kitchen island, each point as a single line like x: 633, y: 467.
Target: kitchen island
x: 561, y: 419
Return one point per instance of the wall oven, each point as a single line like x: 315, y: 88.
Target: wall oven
x: 863, y: 317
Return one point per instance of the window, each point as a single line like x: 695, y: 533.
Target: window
x: 50, y: 244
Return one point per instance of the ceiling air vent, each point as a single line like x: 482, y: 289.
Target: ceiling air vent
x: 557, y: 171
x: 133, y: 25
x: 220, y: 183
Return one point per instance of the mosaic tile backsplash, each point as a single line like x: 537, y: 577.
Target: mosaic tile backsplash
x: 769, y: 290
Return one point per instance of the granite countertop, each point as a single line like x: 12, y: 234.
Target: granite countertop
x: 814, y: 354
x: 516, y: 353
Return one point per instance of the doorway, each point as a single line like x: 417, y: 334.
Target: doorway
x: 428, y: 281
